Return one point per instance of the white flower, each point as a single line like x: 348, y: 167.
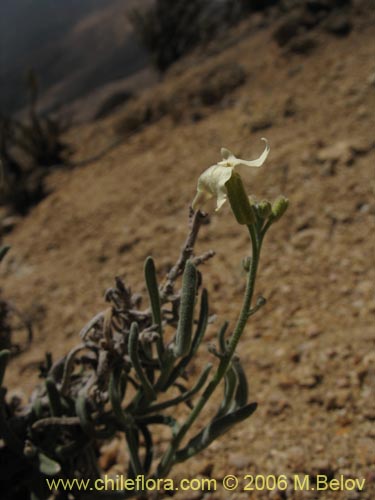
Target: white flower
x: 212, y: 182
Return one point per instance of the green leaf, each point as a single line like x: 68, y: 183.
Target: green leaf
x: 183, y: 397
x: 185, y: 324
x: 214, y: 430
x: 53, y: 398
x: 198, y: 337
x: 242, y: 391
x: 230, y: 381
x: 149, y: 447
x: 153, y: 292
x: 134, y: 358
x: 81, y: 410
x: 48, y: 466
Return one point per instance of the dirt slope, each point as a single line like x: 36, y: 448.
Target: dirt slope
x: 310, y: 353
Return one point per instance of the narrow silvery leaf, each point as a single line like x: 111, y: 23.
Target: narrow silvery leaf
x: 199, y: 334
x: 242, y: 391
x: 185, y: 324
x: 153, y: 292
x: 53, y: 398
x: 134, y: 358
x: 230, y: 385
x: 81, y: 410
x: 214, y: 430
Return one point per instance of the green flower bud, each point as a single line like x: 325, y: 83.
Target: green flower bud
x: 239, y: 200
x: 264, y: 209
x: 279, y: 207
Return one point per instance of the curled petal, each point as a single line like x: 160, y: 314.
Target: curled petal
x: 230, y: 158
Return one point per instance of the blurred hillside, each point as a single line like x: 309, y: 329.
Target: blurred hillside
x: 73, y: 47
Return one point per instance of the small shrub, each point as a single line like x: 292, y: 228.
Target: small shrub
x: 169, y: 29
x: 27, y: 151
x: 133, y: 368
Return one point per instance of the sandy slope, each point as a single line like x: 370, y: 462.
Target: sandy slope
x: 309, y: 354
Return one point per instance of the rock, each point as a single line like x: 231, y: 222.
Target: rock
x: 128, y: 245
x: 365, y: 451
x: 305, y: 239
x: 239, y: 460
x: 109, y: 454
x: 293, y: 24
x: 363, y: 112
x: 340, y: 152
x: 343, y: 382
x: 9, y: 223
x: 295, y: 356
x: 313, y: 331
x: 302, y: 44
x: 321, y: 466
x: 277, y: 495
x: 309, y: 379
x: 369, y: 414
x: 290, y: 107
x: 296, y: 458
x: 316, y: 399
x: 338, y: 23
x: 353, y: 495
x: 286, y: 381
x: 260, y: 123
x: 338, y: 399
x: 287, y: 28
x: 191, y: 495
x: 362, y: 146
x: 206, y: 469
x: 277, y: 406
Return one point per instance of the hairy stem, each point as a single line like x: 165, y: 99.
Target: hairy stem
x: 168, y: 459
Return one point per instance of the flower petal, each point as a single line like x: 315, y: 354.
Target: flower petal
x: 212, y: 183
x: 200, y: 199
x: 226, y: 154
x: 253, y: 163
x: 221, y: 198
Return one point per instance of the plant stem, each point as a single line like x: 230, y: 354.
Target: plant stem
x: 244, y: 314
x: 168, y: 458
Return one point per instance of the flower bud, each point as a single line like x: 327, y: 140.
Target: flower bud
x: 261, y: 301
x: 264, y: 209
x: 239, y: 200
x: 279, y: 207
